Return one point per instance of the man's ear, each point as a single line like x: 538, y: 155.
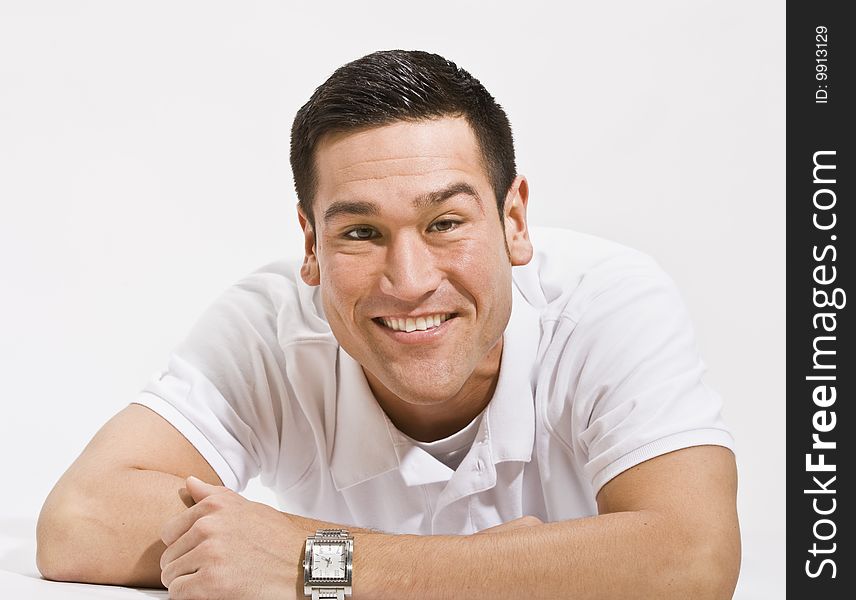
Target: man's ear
x: 516, y: 229
x: 309, y: 271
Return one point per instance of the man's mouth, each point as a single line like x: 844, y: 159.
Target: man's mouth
x: 420, y: 323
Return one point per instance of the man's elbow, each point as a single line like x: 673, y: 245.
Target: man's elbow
x: 713, y: 569
x: 82, y: 541
x: 70, y: 535
x: 55, y: 554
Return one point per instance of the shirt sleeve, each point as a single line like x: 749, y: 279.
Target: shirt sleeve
x: 223, y: 385
x: 639, y: 391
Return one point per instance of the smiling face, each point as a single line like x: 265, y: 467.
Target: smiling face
x: 413, y: 263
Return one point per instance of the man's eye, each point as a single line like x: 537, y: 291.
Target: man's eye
x: 446, y: 225
x: 360, y: 233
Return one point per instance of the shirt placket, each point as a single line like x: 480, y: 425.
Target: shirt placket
x: 476, y: 473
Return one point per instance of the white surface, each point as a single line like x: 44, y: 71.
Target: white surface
x: 144, y: 167
x: 33, y: 587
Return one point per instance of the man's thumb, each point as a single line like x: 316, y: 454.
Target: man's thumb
x: 199, y: 489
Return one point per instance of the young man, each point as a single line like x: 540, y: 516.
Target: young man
x: 423, y: 376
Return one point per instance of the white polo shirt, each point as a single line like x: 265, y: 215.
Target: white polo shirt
x: 599, y: 372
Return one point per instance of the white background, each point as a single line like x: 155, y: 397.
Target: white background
x: 144, y: 168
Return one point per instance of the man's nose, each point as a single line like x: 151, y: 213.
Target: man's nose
x: 411, y: 270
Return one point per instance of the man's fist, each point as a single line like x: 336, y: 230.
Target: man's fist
x: 225, y: 546
x: 525, y: 521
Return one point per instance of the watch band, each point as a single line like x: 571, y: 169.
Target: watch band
x: 328, y: 594
x: 334, y: 533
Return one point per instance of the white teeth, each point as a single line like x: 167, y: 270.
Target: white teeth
x: 413, y: 324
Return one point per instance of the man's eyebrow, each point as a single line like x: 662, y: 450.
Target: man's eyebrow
x: 370, y: 209
x: 440, y: 196
x: 346, y: 207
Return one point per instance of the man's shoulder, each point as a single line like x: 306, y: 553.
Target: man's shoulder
x: 279, y: 274
x: 263, y: 290
x: 270, y: 303
x: 570, y: 269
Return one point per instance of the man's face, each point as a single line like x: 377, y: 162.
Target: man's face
x: 413, y: 263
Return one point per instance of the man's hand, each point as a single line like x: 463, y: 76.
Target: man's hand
x: 225, y: 546
x: 525, y: 521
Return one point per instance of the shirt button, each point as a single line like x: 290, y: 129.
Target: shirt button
x: 479, y: 465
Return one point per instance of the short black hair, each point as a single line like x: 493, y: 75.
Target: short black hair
x: 400, y: 85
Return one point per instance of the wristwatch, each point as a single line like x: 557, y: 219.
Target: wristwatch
x: 328, y: 564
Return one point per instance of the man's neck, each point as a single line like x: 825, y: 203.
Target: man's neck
x: 430, y: 422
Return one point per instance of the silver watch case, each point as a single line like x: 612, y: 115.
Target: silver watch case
x: 327, y: 538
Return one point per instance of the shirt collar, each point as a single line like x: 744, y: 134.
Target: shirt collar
x: 362, y: 445
x: 366, y: 443
x: 509, y: 424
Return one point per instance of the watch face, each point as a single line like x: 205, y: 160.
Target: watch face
x: 328, y: 561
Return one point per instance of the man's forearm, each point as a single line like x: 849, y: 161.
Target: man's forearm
x: 312, y: 525
x: 619, y: 555
x: 108, y: 530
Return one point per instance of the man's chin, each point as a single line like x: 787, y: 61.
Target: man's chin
x: 425, y: 397
x: 425, y: 388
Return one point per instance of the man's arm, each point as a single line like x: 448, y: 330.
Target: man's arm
x: 668, y: 529
x: 101, y: 522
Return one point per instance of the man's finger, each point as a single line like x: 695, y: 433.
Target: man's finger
x: 182, y: 587
x: 177, y: 525
x: 186, y: 497
x: 184, y: 544
x: 180, y: 568
x: 199, y: 490
x: 525, y: 521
